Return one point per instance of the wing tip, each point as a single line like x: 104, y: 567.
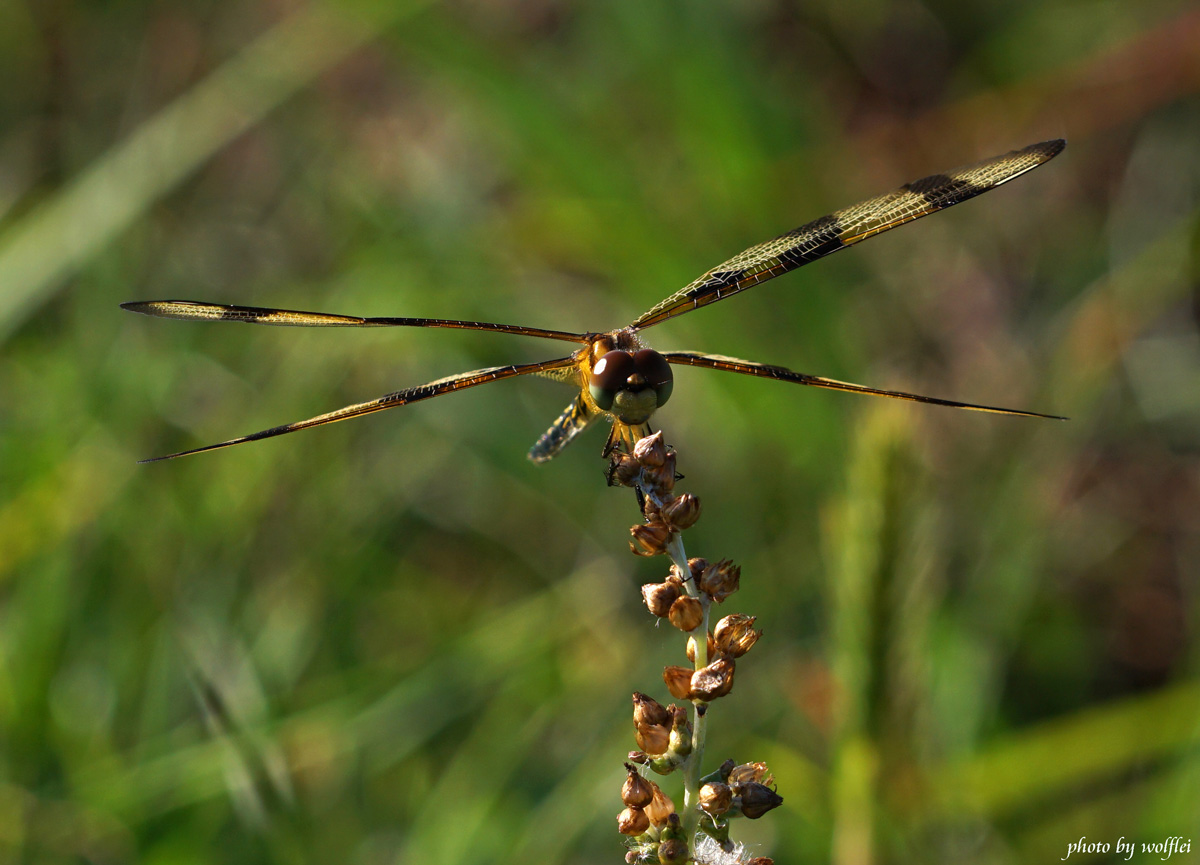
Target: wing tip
x: 1047, y: 149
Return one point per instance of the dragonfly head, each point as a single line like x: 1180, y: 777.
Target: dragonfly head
x: 631, y: 384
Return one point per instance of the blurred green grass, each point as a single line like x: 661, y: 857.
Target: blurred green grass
x: 397, y: 640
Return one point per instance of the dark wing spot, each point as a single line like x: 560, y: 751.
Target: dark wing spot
x: 814, y: 240
x: 942, y: 191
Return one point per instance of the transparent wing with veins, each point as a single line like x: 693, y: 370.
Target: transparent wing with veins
x: 844, y: 228
x: 391, y: 400
x: 779, y: 373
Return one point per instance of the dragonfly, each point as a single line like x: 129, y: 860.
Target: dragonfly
x: 616, y: 376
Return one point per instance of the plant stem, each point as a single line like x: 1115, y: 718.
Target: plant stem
x: 691, y: 769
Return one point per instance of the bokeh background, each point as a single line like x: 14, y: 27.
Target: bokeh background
x: 396, y: 640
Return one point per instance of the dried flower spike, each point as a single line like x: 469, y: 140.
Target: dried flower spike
x: 748, y: 773
x: 721, y: 580
x: 647, y: 710
x: 758, y: 799
x: 715, y: 798
x: 653, y: 740
x: 686, y: 613
x: 649, y: 539
x: 682, y: 512
x: 632, y: 821
x: 660, y: 480
x: 734, y: 635
x: 651, y: 451
x: 679, y: 681
x: 660, y: 596
x: 636, y: 792
x: 713, y: 681
x: 661, y: 809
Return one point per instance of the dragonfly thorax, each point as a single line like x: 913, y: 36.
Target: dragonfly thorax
x: 631, y: 384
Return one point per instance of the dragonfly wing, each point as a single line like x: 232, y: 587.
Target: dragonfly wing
x: 574, y: 420
x: 191, y: 310
x: 747, y: 367
x: 392, y: 400
x: 847, y: 227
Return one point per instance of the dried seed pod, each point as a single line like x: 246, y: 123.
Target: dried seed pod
x: 649, y: 539
x: 715, y: 798
x: 632, y: 821
x: 758, y: 799
x: 761, y: 860
x: 721, y: 580
x: 639, y: 757
x: 735, y: 635
x: 660, y: 480
x: 749, y: 773
x: 686, y: 613
x: 651, y: 510
x: 623, y: 470
x: 660, y: 596
x: 678, y: 681
x: 636, y: 792
x: 713, y: 681
x: 661, y: 808
x: 648, y: 711
x: 710, y: 647
x: 653, y: 740
x: 681, y: 513
x: 651, y: 451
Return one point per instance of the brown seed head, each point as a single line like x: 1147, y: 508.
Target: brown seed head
x: 686, y: 613
x: 681, y: 513
x: 721, y: 580
x: 735, y: 635
x: 632, y: 821
x: 636, y: 792
x: 639, y: 757
x: 651, y: 510
x: 750, y: 773
x: 659, y: 597
x: 660, y: 480
x: 713, y: 681
x: 761, y: 860
x: 623, y: 469
x: 758, y: 799
x: 678, y: 681
x: 715, y: 798
x: 651, y: 451
x: 647, y: 710
x: 710, y: 648
x: 661, y: 808
x: 652, y: 739
x: 649, y: 539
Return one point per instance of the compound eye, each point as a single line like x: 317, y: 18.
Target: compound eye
x: 656, y: 371
x: 609, y: 375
